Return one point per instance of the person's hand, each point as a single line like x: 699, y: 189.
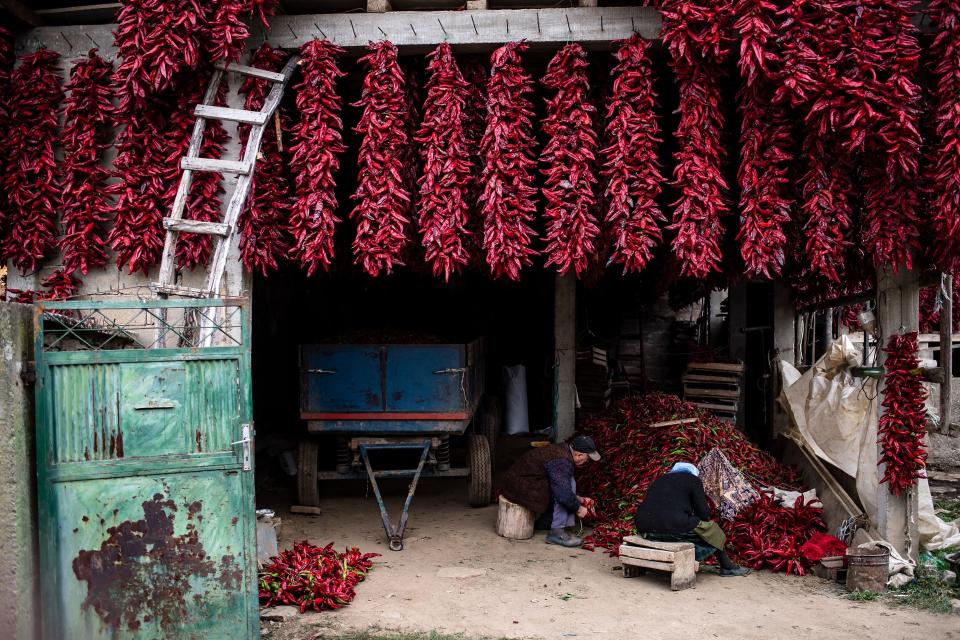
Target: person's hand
x: 582, y: 500
x: 582, y: 512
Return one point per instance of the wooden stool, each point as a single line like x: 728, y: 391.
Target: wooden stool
x: 679, y: 558
x: 513, y: 521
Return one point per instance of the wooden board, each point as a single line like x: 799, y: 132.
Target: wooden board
x: 715, y: 366
x: 696, y: 377
x: 640, y: 541
x: 647, y: 564
x: 639, y: 553
x: 689, y: 392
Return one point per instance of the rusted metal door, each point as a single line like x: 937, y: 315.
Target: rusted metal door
x: 147, y: 526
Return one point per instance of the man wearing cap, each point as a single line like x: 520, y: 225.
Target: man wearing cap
x: 542, y: 481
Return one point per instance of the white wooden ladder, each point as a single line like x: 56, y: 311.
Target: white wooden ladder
x: 223, y: 232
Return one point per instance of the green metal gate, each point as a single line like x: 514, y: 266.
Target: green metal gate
x: 144, y: 461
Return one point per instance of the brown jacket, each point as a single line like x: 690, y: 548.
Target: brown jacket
x: 526, y: 482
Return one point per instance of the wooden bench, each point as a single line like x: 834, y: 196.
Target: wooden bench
x: 637, y: 554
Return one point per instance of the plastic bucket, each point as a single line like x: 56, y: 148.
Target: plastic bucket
x: 867, y: 569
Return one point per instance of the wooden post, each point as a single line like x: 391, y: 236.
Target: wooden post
x: 946, y: 355
x: 898, y: 307
x: 565, y: 356
x: 476, y: 5
x: 513, y: 521
x: 378, y: 6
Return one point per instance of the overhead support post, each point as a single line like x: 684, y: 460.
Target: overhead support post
x: 379, y: 6
x: 946, y: 354
x: 565, y: 356
x: 898, y: 309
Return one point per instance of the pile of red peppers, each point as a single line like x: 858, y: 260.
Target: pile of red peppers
x: 31, y: 177
x: 508, y: 204
x: 264, y: 225
x: 382, y: 195
x: 568, y: 159
x: 312, y: 577
x: 317, y: 145
x: 630, y: 166
x: 635, y: 453
x: 446, y: 177
x: 903, y: 420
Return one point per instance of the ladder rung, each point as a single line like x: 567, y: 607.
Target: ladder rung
x: 263, y: 74
x: 211, y: 164
x: 184, y: 292
x: 233, y: 115
x: 197, y: 226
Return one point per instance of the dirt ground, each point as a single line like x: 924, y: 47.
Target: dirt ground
x: 455, y: 575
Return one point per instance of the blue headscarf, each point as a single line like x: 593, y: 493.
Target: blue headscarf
x: 685, y: 467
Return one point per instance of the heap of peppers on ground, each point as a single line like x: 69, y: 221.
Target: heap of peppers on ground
x: 763, y: 534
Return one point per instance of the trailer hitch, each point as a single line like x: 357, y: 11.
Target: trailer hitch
x: 395, y: 531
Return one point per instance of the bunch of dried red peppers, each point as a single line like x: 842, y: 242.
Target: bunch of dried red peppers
x: 312, y: 577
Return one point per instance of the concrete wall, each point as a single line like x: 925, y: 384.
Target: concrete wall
x: 18, y: 515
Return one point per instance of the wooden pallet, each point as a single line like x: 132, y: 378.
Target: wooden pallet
x: 714, y: 386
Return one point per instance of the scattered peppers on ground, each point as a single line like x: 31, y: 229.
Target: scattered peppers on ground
x: 312, y: 577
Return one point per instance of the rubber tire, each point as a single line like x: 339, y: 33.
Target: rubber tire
x: 480, y: 481
x: 494, y: 408
x: 486, y: 425
x: 308, y: 491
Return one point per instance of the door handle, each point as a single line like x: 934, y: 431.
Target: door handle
x: 246, y: 439
x: 322, y: 371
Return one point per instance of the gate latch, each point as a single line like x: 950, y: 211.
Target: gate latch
x: 246, y: 441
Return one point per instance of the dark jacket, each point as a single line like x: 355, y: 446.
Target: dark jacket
x: 675, y: 503
x: 527, y: 483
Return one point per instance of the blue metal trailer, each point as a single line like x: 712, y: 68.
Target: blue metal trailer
x: 396, y: 397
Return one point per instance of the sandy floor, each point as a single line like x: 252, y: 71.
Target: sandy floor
x: 456, y: 576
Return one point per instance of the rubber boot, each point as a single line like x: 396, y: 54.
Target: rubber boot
x: 563, y: 538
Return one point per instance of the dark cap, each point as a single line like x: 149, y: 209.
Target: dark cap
x: 585, y: 444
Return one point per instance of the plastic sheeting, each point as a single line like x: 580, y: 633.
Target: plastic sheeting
x: 835, y: 414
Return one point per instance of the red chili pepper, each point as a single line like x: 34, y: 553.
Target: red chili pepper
x: 630, y: 165
x: 568, y: 158
x: 903, y: 423
x: 87, y: 133
x: 31, y: 177
x: 445, y: 181
x: 508, y: 200
x: 317, y: 145
x: 312, y: 577
x: 383, y: 197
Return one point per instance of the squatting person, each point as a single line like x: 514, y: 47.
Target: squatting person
x: 675, y: 510
x: 543, y: 482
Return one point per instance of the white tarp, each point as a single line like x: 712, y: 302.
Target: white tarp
x: 835, y: 414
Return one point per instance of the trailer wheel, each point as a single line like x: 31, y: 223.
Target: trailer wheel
x: 485, y: 425
x: 480, y: 482
x: 494, y: 412
x: 308, y: 492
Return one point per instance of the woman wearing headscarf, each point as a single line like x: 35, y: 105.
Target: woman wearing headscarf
x: 675, y: 510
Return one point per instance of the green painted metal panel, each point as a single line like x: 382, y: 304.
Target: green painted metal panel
x: 146, y: 511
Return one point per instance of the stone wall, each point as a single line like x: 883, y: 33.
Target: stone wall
x: 18, y: 515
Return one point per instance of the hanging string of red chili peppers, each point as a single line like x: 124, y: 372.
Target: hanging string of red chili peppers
x: 227, y: 28
x: 264, y: 231
x: 475, y: 110
x: 87, y: 134
x: 630, y: 165
x: 765, y: 145
x: 31, y: 179
x: 698, y: 37
x: 443, y: 208
x: 508, y: 200
x: 943, y: 179
x: 383, y: 200
x: 568, y: 162
x: 6, y: 68
x: 317, y: 145
x: 904, y: 418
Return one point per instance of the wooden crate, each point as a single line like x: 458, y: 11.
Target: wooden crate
x: 714, y: 386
